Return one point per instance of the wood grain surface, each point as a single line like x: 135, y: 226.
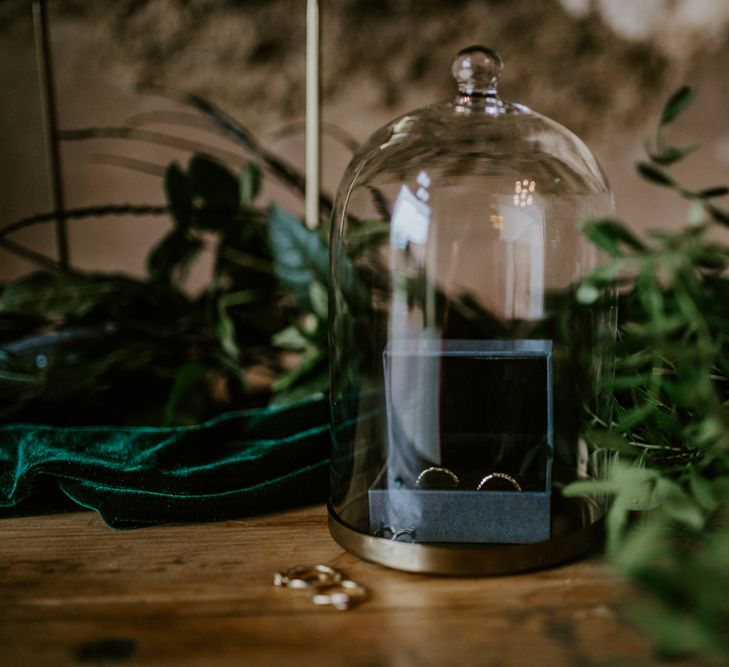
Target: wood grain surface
x: 75, y: 592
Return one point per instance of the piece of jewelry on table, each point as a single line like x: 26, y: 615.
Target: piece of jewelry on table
x: 341, y: 596
x: 324, y: 584
x: 306, y: 576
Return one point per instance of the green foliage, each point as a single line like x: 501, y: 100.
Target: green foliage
x: 308, y: 337
x: 676, y: 104
x: 215, y: 186
x: 611, y: 235
x: 301, y: 255
x: 187, y: 397
x: 662, y: 154
x: 249, y: 184
x: 668, y: 526
x: 142, y: 351
x: 652, y: 173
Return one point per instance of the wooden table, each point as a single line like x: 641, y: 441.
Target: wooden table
x: 73, y: 591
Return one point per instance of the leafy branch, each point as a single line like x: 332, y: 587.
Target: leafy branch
x: 143, y: 351
x: 668, y: 525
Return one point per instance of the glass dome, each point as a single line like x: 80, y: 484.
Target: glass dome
x: 463, y: 370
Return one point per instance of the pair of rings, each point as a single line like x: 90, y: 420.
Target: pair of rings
x: 324, y: 584
x: 457, y: 482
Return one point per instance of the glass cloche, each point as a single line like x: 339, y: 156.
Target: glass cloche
x: 463, y: 370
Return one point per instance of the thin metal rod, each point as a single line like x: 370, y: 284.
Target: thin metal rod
x: 50, y: 125
x: 30, y: 255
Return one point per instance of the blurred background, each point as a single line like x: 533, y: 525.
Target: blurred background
x: 603, y: 68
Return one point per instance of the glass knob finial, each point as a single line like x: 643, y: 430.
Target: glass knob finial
x: 476, y: 70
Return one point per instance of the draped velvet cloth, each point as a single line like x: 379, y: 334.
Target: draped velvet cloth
x: 235, y: 465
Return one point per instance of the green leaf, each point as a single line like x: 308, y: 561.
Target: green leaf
x: 671, y: 154
x: 603, y: 439
x: 225, y: 331
x: 642, y: 545
x: 654, y: 174
x: 319, y: 300
x: 17, y: 378
x: 591, y: 487
x: 702, y: 491
x: 676, y: 104
x: 224, y: 326
x: 718, y: 214
x: 635, y: 484
x: 710, y: 193
x: 213, y: 183
x: 635, y: 488
x: 635, y: 416
x: 170, y: 258
x: 312, y: 359
x: 313, y: 384
x: 608, y: 235
x: 186, y: 403
x: 607, y: 273
x: 249, y: 183
x: 649, y: 293
x: 300, y: 255
x: 57, y: 295
x: 677, y: 504
x: 291, y: 338
x: 178, y: 195
x: 710, y: 258
x: 239, y: 298
x: 628, y: 381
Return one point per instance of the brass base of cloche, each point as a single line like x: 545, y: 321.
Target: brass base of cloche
x: 470, y: 559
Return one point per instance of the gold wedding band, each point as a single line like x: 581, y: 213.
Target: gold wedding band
x: 308, y: 576
x: 445, y: 471
x: 341, y: 595
x: 500, y: 475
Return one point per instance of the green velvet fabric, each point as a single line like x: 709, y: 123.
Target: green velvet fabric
x: 234, y: 465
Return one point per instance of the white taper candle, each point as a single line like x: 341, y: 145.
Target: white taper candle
x: 312, y: 114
